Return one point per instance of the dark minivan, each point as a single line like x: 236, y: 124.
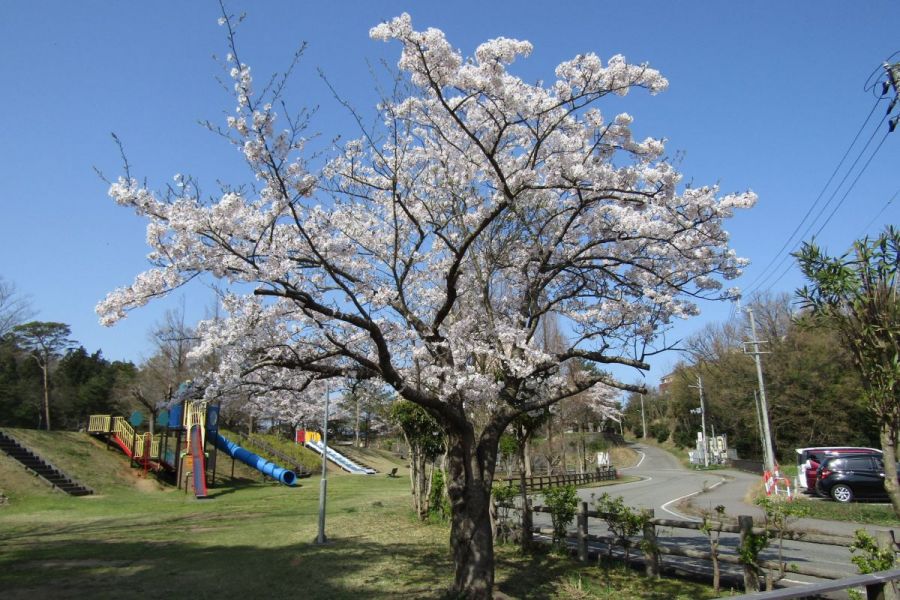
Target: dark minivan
x: 848, y: 477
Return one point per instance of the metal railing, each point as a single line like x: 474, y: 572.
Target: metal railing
x: 140, y: 445
x: 878, y: 585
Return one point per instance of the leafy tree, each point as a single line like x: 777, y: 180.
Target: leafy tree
x: 20, y: 383
x: 428, y: 253
x: 809, y: 378
x: 856, y: 294
x: 46, y: 341
x: 89, y: 384
x: 425, y: 441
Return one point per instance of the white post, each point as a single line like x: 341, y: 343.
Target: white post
x: 323, y: 483
x: 643, y: 417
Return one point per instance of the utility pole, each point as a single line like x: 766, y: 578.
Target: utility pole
x: 703, y: 442
x: 323, y: 483
x: 759, y: 427
x: 763, y: 405
x: 893, y: 73
x: 643, y: 418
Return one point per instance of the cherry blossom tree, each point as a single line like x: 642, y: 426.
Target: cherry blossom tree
x: 427, y: 254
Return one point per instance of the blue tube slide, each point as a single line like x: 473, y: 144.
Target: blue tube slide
x: 257, y: 462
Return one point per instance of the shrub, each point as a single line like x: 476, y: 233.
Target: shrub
x: 660, y: 431
x: 438, y: 504
x: 623, y: 521
x: 563, y: 503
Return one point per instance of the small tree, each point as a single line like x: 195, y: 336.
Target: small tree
x: 856, y: 295
x: 46, y: 341
x: 713, y: 530
x: 779, y: 515
x: 425, y: 441
x: 563, y: 503
x: 623, y: 521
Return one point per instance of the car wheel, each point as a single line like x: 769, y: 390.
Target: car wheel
x: 842, y: 493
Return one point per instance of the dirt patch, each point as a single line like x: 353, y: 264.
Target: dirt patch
x: 144, y: 484
x: 623, y: 457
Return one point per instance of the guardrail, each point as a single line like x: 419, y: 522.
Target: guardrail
x: 881, y: 585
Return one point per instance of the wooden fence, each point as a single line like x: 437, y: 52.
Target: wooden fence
x: 652, y: 546
x: 539, y: 482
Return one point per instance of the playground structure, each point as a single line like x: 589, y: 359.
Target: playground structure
x: 180, y: 448
x: 313, y: 441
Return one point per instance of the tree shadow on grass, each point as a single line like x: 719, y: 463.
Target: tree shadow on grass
x: 343, y: 568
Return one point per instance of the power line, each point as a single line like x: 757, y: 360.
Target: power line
x: 784, y: 257
x: 878, y: 214
x: 892, y: 80
x: 863, y: 170
x: 837, y: 206
x: 762, y: 276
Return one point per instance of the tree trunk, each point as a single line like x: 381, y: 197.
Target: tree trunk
x: 889, y: 453
x: 421, y: 486
x: 470, y: 469
x: 526, y: 457
x: 45, y: 368
x: 550, y: 445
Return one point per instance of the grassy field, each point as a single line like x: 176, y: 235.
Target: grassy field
x: 249, y: 539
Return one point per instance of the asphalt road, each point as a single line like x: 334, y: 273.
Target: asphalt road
x: 665, y: 484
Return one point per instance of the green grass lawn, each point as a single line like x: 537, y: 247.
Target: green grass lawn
x: 250, y: 539
x: 869, y: 513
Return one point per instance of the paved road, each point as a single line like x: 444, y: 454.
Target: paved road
x: 665, y: 484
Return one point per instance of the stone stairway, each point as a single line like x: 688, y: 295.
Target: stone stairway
x: 39, y: 466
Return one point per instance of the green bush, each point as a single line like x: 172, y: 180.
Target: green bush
x: 683, y: 437
x: 438, y: 503
x: 563, y: 503
x: 660, y: 431
x: 623, y: 521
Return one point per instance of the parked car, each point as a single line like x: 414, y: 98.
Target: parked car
x: 850, y: 476
x: 809, y: 459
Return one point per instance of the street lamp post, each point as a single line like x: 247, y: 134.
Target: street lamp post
x: 323, y: 483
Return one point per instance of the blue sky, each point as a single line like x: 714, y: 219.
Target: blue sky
x: 763, y: 95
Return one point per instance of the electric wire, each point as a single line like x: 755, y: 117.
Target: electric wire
x: 760, y: 281
x: 844, y: 197
x: 837, y: 206
x: 763, y: 274
x: 878, y: 214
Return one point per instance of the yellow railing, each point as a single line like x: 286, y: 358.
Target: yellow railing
x: 141, y: 443
x: 99, y: 424
x: 124, y: 431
